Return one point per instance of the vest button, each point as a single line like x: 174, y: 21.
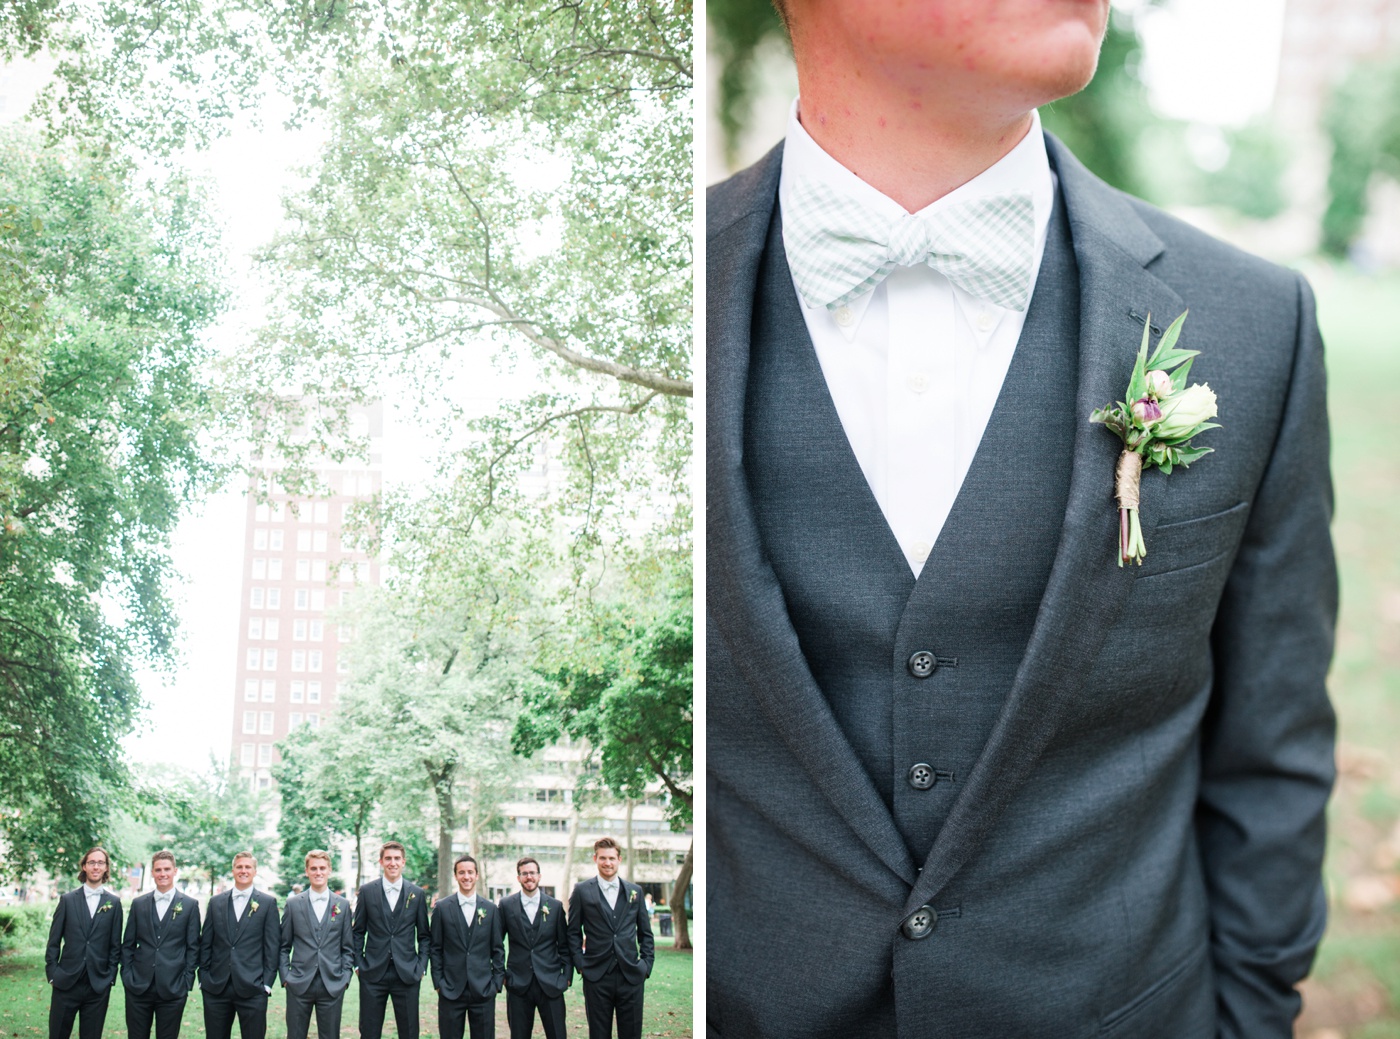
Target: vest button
x: 922, y: 664
x: 919, y: 924
x: 921, y: 776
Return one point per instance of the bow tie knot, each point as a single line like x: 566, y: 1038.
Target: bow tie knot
x: 910, y: 241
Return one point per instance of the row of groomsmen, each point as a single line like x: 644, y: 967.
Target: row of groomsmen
x: 389, y: 941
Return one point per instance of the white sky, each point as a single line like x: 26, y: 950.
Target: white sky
x: 1207, y: 60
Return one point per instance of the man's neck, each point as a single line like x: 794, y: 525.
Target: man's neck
x: 467, y: 894
x: 164, y: 890
x: 243, y: 889
x: 319, y: 890
x: 93, y: 887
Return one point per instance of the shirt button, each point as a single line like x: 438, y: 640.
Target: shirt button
x: 843, y: 316
x: 920, y: 550
x: 917, y: 383
x: 919, y: 924
x: 922, y: 664
x: 921, y: 776
x: 986, y: 321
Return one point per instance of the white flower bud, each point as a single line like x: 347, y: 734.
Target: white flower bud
x: 1159, y: 383
x: 1182, y: 412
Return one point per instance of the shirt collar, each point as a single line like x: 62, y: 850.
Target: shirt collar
x: 465, y: 899
x: 395, y: 886
x: 1026, y: 167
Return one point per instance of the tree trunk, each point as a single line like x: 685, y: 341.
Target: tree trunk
x: 677, y: 900
x: 442, y: 788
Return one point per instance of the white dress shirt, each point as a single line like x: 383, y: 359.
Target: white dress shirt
x: 319, y: 903
x: 240, y: 901
x: 391, y: 892
x: 94, y: 898
x: 531, y: 906
x: 915, y: 365
x: 163, y: 900
x: 468, y: 904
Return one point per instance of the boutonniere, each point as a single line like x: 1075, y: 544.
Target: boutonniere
x: 104, y: 907
x: 480, y: 914
x: 179, y: 908
x: 252, y: 907
x: 335, y: 911
x: 631, y: 897
x: 1156, y: 427
x: 411, y: 896
x: 544, y: 908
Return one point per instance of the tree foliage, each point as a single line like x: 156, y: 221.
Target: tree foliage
x: 1363, y: 121
x: 100, y: 448
x: 206, y: 818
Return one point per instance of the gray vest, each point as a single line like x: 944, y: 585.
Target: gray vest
x: 915, y: 673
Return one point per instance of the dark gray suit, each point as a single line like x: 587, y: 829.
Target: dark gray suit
x: 238, y: 959
x: 1124, y: 829
x: 317, y: 963
x: 468, y: 966
x: 614, y: 950
x: 80, y: 962
x: 539, y: 966
x: 391, y: 954
x: 159, y: 958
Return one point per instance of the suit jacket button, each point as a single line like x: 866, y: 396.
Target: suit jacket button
x: 922, y: 776
x: 919, y: 924
x: 922, y: 664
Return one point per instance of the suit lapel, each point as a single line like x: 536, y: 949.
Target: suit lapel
x: 1087, y: 590
x: 745, y: 598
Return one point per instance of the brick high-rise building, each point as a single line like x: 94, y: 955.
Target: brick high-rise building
x: 297, y: 570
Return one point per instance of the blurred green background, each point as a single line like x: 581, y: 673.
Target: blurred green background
x: 1309, y: 176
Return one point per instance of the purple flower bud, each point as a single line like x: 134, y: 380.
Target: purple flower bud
x: 1159, y: 383
x: 1146, y: 410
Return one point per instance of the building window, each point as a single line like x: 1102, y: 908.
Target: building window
x: 274, y: 541
x: 261, y: 512
x: 274, y: 598
x: 274, y: 569
x: 255, y: 628
x: 303, y: 599
x: 298, y: 691
x: 343, y: 632
x: 260, y: 537
x: 293, y: 719
x: 250, y: 721
x: 303, y: 541
x: 303, y: 569
x: 255, y: 598
x: 313, y: 692
x: 339, y: 691
x: 323, y: 513
x: 266, y: 723
x: 298, y: 660
x: 264, y: 783
x: 342, y: 665
x: 318, y: 541
x: 318, y: 631
x: 264, y: 754
x: 246, y: 755
x: 250, y: 689
x: 269, y: 660
x: 299, y: 631
x: 259, y: 569
x: 318, y: 599
x: 269, y: 690
x: 313, y: 660
x: 313, y: 720
x: 254, y: 658
x: 318, y: 569
x: 271, y: 626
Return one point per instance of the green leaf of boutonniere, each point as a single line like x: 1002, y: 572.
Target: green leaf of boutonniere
x: 105, y: 907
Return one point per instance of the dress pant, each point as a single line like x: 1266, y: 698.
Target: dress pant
x: 374, y: 995
x: 479, y: 1015
x: 327, y: 1011
x: 143, y: 1007
x: 613, y: 995
x: 219, y: 1012
x: 521, y: 1007
x: 80, y: 1001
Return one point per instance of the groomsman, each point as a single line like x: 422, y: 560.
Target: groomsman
x: 238, y: 954
x: 616, y: 958
x: 539, y: 966
x: 318, y: 953
x: 83, y: 952
x: 391, y: 946
x: 159, y: 954
x: 467, y: 956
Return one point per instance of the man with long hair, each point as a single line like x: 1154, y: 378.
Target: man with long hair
x: 84, y: 949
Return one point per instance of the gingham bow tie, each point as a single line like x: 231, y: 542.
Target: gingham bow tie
x: 839, y: 249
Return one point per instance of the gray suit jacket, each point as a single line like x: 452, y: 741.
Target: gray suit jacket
x: 1137, y: 849
x: 309, y: 946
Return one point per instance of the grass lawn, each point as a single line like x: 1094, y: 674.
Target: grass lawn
x: 24, y: 1003
x: 1355, y: 991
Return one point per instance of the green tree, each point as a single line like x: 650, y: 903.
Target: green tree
x: 627, y: 688
x: 207, y: 818
x: 101, y: 454
x: 1363, y: 121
